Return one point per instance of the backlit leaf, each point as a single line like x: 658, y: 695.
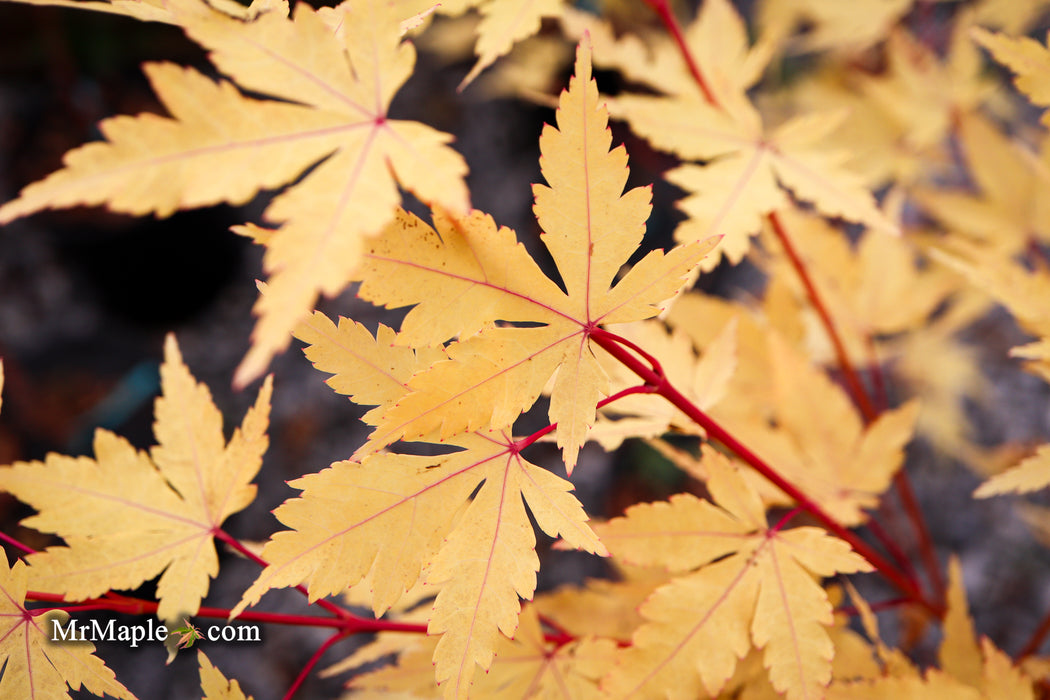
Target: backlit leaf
x: 327, y: 106
x: 34, y: 666
x: 743, y: 585
x: 467, y: 275
x: 127, y: 516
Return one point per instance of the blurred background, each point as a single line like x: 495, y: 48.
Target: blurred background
x: 87, y: 296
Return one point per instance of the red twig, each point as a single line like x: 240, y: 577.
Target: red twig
x: 910, y: 503
x: 717, y: 432
x: 308, y: 666
x: 16, y: 544
x: 653, y: 362
x: 639, y: 389
x: 852, y: 379
x: 663, y: 9
x: 891, y: 546
x: 1037, y: 638
x: 849, y: 374
x: 232, y: 541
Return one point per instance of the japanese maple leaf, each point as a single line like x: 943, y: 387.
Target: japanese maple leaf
x: 748, y: 168
x: 970, y: 668
x: 461, y: 516
x: 331, y: 90
x: 503, y: 24
x: 819, y: 441
x: 741, y: 584
x: 467, y: 275
x: 214, y: 685
x: 35, y: 667
x: 1013, y: 205
x: 832, y: 24
x: 127, y: 516
x: 1027, y: 58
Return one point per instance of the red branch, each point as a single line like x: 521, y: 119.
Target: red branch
x: 1037, y: 638
x: 867, y: 409
x: 663, y: 9
x: 311, y: 663
x: 640, y: 389
x: 348, y: 623
x: 849, y: 374
x: 852, y: 379
x: 717, y: 432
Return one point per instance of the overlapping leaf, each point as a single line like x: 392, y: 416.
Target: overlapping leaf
x: 1013, y: 205
x: 127, y: 516
x: 460, y: 516
x: 702, y: 380
x: 1027, y: 58
x: 743, y: 584
x: 216, y: 686
x: 34, y: 667
x: 504, y: 23
x: 331, y: 91
x: 971, y: 668
x: 748, y: 168
x: 467, y: 275
x: 820, y: 443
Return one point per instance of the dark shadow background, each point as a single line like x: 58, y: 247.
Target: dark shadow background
x: 86, y: 297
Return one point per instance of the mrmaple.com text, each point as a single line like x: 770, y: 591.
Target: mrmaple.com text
x: 74, y: 630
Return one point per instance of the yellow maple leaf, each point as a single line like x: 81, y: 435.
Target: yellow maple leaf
x: 457, y: 519
x: 396, y: 513
x: 1013, y: 204
x: 529, y: 666
x: 504, y: 23
x: 1030, y: 474
x: 331, y: 95
x: 467, y: 275
x: 748, y: 168
x: 819, y: 442
x: 971, y: 669
x: 127, y: 516
x: 214, y: 685
x: 742, y: 584
x: 33, y: 665
x: 852, y: 26
x: 1027, y: 58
